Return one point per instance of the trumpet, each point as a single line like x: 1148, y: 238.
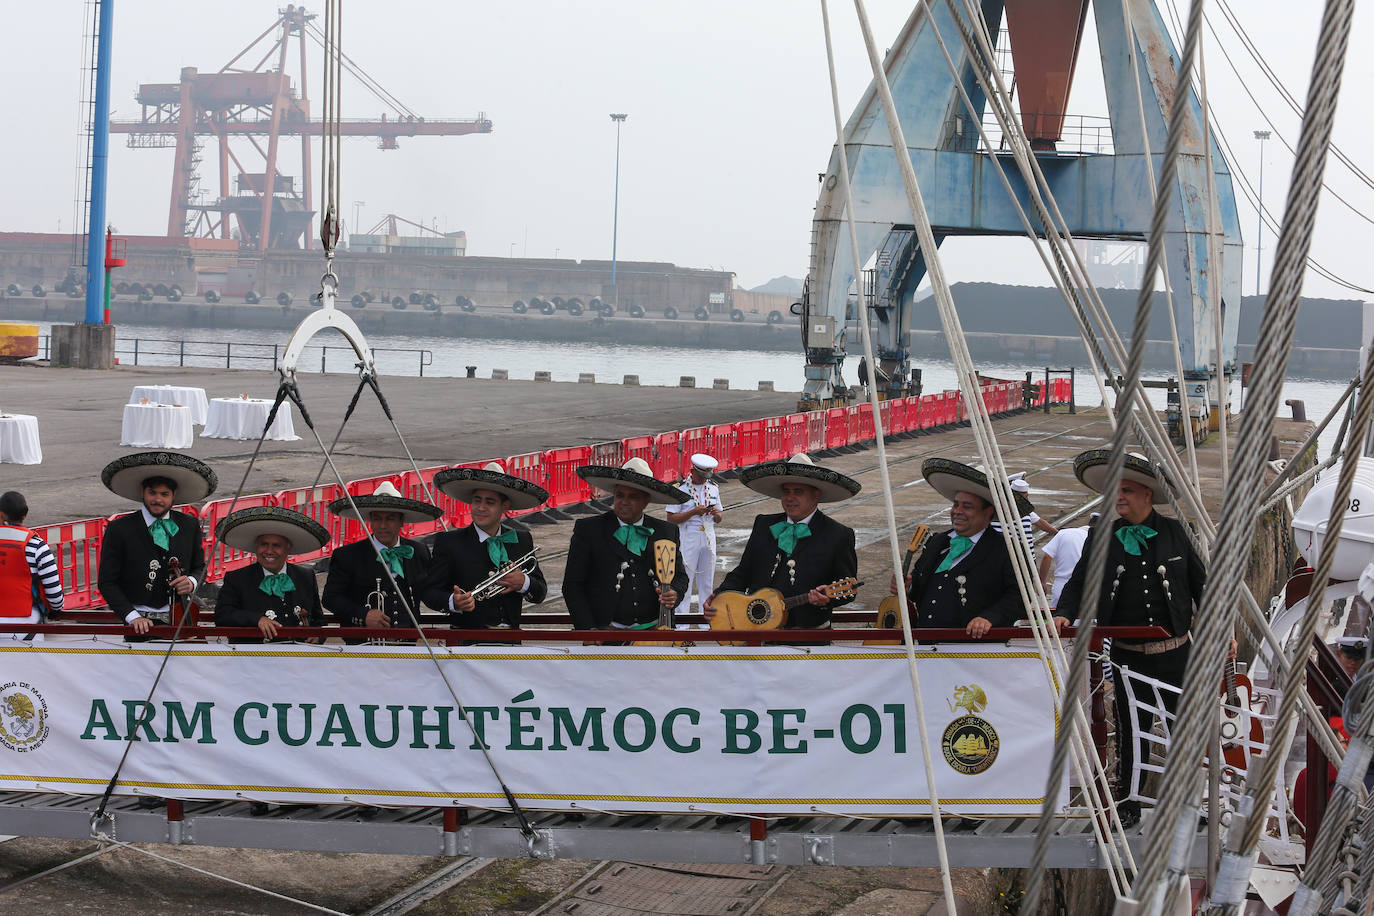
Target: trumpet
x: 377, y: 598
x: 491, y: 586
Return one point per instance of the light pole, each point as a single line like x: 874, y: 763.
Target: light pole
x: 1261, y: 136
x: 615, y: 217
x: 357, y: 208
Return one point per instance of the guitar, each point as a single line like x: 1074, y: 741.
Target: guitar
x: 1237, y: 693
x: 889, y: 610
x: 766, y: 609
x: 665, y: 569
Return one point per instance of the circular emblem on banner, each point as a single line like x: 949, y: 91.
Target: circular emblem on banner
x: 970, y: 745
x: 23, y: 717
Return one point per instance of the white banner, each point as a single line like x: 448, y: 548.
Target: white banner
x: 739, y: 730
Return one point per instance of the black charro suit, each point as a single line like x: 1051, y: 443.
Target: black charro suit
x: 595, y: 557
x: 827, y: 555
x: 241, y: 603
x: 461, y: 559
x: 353, y: 573
x: 1135, y: 593
x: 128, y: 556
x: 989, y: 584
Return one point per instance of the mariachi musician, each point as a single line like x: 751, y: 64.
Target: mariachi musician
x: 137, y: 577
x: 270, y: 594
x: 358, y: 591
x: 610, y: 580
x: 800, y: 549
x: 469, y: 556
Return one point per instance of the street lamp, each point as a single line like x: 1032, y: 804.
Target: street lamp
x: 1261, y: 136
x: 615, y: 218
x: 357, y: 206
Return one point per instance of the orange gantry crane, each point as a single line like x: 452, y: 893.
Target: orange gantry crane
x: 259, y: 105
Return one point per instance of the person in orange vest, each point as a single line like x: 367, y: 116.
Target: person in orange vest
x: 30, y: 583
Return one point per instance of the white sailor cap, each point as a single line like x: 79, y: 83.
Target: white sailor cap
x: 1352, y: 644
x: 1019, y: 485
x: 703, y: 462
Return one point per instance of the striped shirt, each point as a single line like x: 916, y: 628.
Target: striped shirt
x: 1027, y: 525
x: 44, y: 566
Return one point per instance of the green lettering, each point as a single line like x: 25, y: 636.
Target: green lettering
x: 898, y: 713
x: 734, y: 731
x: 100, y: 718
x: 337, y: 723
x: 875, y: 728
x: 480, y: 714
x: 239, y: 715
x: 370, y: 724
x: 781, y: 733
x: 418, y: 726
x: 176, y: 718
x: 138, y: 714
x: 670, y: 740
x: 591, y: 722
x: 283, y: 714
x: 518, y: 728
x: 646, y: 725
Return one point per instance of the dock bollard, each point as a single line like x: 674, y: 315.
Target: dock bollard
x: 765, y: 385
x: 586, y: 378
x: 499, y: 375
x: 632, y: 381
x: 543, y: 375
x: 687, y: 381
x: 721, y: 384
x: 472, y: 371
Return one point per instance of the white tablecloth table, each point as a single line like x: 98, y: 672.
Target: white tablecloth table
x: 243, y: 418
x: 157, y: 426
x: 193, y: 398
x: 19, y: 439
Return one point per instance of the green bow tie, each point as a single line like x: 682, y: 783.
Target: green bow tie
x: 1133, y: 538
x: 276, y: 584
x: 393, y: 556
x: 163, y: 530
x: 496, y: 547
x: 634, y: 537
x: 958, y: 546
x: 788, y: 534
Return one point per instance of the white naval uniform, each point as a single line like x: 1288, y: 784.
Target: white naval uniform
x: 697, y: 535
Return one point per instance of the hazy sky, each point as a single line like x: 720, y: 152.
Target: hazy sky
x: 729, y: 122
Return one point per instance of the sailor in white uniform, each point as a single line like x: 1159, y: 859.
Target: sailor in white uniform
x: 696, y: 520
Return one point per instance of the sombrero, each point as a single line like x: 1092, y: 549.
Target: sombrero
x: 635, y: 474
x: 461, y: 482
x: 194, y: 479
x: 243, y: 527
x: 768, y: 478
x: 387, y: 498
x: 948, y: 477
x: 1090, y: 468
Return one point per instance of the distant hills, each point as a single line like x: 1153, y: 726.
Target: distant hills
x: 785, y: 286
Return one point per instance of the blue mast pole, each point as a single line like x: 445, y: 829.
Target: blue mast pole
x: 100, y: 155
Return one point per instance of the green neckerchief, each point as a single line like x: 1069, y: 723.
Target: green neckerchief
x: 392, y: 557
x: 276, y: 584
x: 163, y: 530
x: 1133, y: 538
x: 634, y: 537
x: 496, y: 547
x: 788, y: 534
x: 958, y: 546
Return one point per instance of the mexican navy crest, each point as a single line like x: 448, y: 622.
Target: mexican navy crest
x: 970, y: 743
x: 23, y: 717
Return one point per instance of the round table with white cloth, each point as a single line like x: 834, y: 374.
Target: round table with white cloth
x: 243, y: 418
x: 157, y: 426
x: 19, y: 439
x: 193, y: 398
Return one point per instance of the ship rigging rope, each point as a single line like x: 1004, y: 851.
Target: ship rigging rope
x: 904, y: 609
x: 1097, y: 555
x: 1029, y: 584
x: 330, y: 128
x: 1165, y: 860
x: 1086, y: 761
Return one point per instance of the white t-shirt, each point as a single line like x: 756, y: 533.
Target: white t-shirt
x: 1064, y: 550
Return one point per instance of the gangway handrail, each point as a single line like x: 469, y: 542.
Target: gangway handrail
x: 750, y: 637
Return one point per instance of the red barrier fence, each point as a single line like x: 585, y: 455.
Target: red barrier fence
x: 564, y: 486
x: 76, y: 549
x: 76, y: 545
